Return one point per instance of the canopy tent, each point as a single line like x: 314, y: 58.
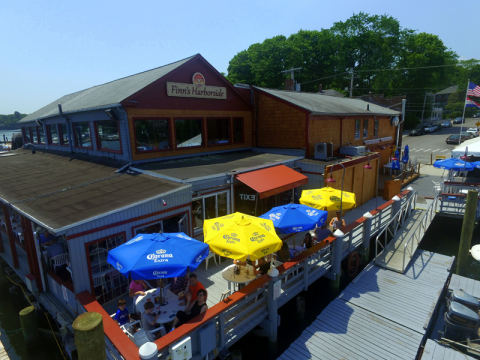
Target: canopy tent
x: 473, y: 148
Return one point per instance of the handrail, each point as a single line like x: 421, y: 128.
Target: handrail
x: 430, y: 210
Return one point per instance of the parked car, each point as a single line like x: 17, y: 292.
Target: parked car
x: 458, y: 120
x: 476, y: 115
x: 466, y: 136
x: 417, y: 131
x: 429, y: 128
x: 446, y: 124
x: 453, y: 139
x: 473, y: 131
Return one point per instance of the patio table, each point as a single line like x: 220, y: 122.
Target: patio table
x: 167, y: 312
x: 241, y: 278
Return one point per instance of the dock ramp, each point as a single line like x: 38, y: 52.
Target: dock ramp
x: 405, y: 234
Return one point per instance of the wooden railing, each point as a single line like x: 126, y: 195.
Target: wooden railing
x: 248, y: 305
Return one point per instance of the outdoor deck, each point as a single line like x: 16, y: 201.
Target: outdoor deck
x: 3, y: 353
x: 382, y: 314
x: 470, y: 286
x: 434, y: 351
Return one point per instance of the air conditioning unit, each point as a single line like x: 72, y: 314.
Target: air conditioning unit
x: 321, y: 151
x: 352, y: 150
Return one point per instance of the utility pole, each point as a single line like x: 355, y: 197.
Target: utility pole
x: 424, y: 100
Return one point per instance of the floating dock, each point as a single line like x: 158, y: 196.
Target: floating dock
x: 382, y: 314
x: 3, y: 353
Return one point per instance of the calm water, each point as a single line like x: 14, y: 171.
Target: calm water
x: 7, y: 133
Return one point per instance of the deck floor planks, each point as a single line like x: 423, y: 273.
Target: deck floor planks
x: 381, y: 314
x: 435, y: 351
x: 3, y: 353
x: 470, y: 286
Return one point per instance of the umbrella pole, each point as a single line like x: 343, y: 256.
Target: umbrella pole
x: 293, y: 241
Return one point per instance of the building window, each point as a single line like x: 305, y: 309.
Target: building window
x: 81, y: 132
x: 357, y: 129
x: 152, y: 135
x: 108, y: 135
x: 237, y: 130
x: 375, y: 129
x: 52, y: 134
x: 174, y: 224
x: 218, y: 131
x: 188, y: 132
x: 33, y: 134
x: 63, y: 133
x: 365, y: 128
x: 26, y: 134
x: 208, y: 207
x: 108, y: 283
x: 41, y: 135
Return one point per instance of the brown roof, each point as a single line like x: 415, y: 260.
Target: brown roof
x: 60, y: 190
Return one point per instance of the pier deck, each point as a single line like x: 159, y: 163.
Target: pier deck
x: 3, y: 353
x: 382, y: 314
x: 470, y: 286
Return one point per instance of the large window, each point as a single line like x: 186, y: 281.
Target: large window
x: 237, y: 130
x: 365, y: 128
x: 41, y: 135
x: 375, y: 129
x: 208, y: 207
x: 63, y: 133
x: 357, y: 129
x: 108, y: 283
x: 26, y: 134
x: 152, y: 135
x: 108, y: 135
x: 83, y: 138
x: 188, y: 132
x: 218, y: 131
x: 174, y: 224
x: 33, y: 134
x: 52, y: 134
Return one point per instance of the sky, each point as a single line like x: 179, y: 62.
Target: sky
x: 54, y: 48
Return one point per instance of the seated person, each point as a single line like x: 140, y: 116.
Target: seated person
x: 135, y: 289
x: 307, y: 241
x: 122, y: 316
x: 46, y: 238
x: 323, y: 232
x: 262, y: 267
x: 283, y: 255
x: 194, y: 307
x: 179, y: 284
x: 194, y: 286
x: 55, y: 249
x: 149, y: 320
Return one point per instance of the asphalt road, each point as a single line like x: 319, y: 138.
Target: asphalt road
x: 434, y: 143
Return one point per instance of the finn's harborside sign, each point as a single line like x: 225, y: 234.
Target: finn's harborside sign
x: 197, y: 89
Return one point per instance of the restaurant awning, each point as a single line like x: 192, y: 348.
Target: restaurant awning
x: 272, y: 181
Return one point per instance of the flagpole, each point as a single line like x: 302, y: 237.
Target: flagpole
x: 463, y: 117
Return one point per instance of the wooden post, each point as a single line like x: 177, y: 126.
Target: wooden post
x: 403, y: 177
x: 431, y: 158
x: 28, y: 320
x: 467, y: 232
x: 89, y: 336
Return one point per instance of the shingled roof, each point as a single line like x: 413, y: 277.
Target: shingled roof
x: 318, y: 104
x: 109, y: 94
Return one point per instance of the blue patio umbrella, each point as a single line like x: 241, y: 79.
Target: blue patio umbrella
x: 158, y: 256
x: 294, y: 218
x: 405, y: 155
x: 453, y: 164
x: 395, y: 165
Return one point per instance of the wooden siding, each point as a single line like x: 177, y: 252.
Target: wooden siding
x: 279, y: 125
x: 57, y: 291
x: 203, y: 114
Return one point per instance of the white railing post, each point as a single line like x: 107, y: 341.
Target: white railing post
x: 367, y: 234
x: 273, y: 306
x: 336, y: 268
x: 396, y: 207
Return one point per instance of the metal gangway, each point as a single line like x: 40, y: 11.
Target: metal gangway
x: 396, y: 243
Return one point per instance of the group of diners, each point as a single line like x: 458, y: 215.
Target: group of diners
x: 49, y: 244
x: 188, y: 289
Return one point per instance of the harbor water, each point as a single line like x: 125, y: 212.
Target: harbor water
x: 7, y: 134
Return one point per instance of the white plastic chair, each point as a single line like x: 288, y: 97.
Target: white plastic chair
x: 210, y: 255
x: 142, y: 336
x: 59, y: 260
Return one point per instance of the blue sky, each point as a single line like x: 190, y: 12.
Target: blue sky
x: 53, y: 48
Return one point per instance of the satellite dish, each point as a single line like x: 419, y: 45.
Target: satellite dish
x: 395, y: 121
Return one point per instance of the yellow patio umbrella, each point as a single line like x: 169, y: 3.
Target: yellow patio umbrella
x: 237, y: 236
x: 327, y: 198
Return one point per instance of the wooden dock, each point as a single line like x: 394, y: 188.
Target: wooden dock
x: 470, y: 286
x: 434, y: 351
x: 382, y: 314
x: 3, y: 353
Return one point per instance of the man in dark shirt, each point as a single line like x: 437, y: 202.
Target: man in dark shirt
x: 322, y: 232
x: 262, y: 267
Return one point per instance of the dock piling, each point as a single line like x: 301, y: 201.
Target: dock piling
x: 336, y: 268
x: 467, y: 233
x: 28, y: 320
x: 89, y: 336
x: 367, y: 234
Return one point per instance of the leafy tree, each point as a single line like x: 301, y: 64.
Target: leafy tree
x: 10, y: 121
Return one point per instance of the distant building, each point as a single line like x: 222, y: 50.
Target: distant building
x: 441, y: 99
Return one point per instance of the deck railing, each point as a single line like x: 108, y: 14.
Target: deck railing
x: 255, y: 305
x: 453, y: 197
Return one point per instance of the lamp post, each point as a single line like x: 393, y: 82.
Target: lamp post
x: 368, y: 167
x: 332, y: 180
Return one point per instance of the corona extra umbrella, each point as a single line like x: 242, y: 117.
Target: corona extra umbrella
x: 453, y: 164
x: 328, y: 198
x: 158, y: 256
x: 237, y: 236
x: 295, y: 218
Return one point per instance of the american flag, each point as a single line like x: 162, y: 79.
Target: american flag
x: 471, y: 103
x: 473, y: 90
